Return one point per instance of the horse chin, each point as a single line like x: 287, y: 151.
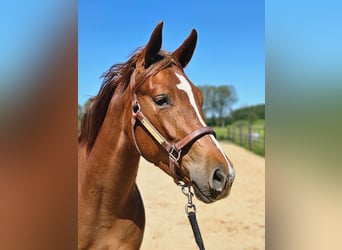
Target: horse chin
x: 200, y: 195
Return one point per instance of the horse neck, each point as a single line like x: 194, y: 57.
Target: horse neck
x: 111, y: 166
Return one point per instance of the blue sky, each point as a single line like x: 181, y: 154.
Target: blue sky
x: 230, y: 48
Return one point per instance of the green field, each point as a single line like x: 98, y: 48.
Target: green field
x: 241, y: 133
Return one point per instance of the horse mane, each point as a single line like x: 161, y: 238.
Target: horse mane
x: 115, y: 81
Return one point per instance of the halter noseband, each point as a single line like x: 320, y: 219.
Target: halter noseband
x: 174, y: 150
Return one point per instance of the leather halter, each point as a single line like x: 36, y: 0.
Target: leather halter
x: 174, y: 150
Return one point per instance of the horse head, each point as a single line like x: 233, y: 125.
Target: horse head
x: 172, y: 105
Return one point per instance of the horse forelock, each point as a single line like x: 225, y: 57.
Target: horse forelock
x: 115, y: 81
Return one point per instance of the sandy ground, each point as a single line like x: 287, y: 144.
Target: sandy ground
x: 237, y: 222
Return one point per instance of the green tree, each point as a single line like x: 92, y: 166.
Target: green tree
x: 80, y: 113
x: 82, y: 110
x: 217, y: 103
x: 209, y: 104
x: 250, y: 114
x: 224, y: 98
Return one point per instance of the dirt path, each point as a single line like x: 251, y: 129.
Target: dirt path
x: 237, y: 222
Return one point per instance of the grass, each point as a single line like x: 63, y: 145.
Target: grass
x: 221, y: 133
x: 238, y: 133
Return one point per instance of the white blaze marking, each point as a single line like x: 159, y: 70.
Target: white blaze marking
x: 186, y: 87
x: 230, y: 167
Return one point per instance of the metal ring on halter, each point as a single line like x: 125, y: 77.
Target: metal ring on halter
x: 186, y: 190
x: 136, y: 108
x: 181, y: 184
x: 179, y: 152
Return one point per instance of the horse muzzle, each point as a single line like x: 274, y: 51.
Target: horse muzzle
x: 218, y: 186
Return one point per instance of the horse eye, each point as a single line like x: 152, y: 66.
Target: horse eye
x: 161, y: 100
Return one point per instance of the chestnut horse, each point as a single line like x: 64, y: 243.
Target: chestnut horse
x: 146, y: 107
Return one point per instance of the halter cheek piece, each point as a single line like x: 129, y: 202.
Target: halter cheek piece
x: 174, y: 150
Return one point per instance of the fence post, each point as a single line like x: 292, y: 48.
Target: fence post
x: 250, y: 136
x: 233, y: 135
x: 241, y: 136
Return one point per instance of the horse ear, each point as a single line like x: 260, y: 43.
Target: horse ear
x: 153, y: 46
x: 184, y: 53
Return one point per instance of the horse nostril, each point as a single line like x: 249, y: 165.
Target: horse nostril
x: 219, y: 180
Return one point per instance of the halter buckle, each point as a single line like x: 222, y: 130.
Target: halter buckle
x: 178, y: 153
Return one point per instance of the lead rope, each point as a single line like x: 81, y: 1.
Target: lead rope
x: 190, y: 210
